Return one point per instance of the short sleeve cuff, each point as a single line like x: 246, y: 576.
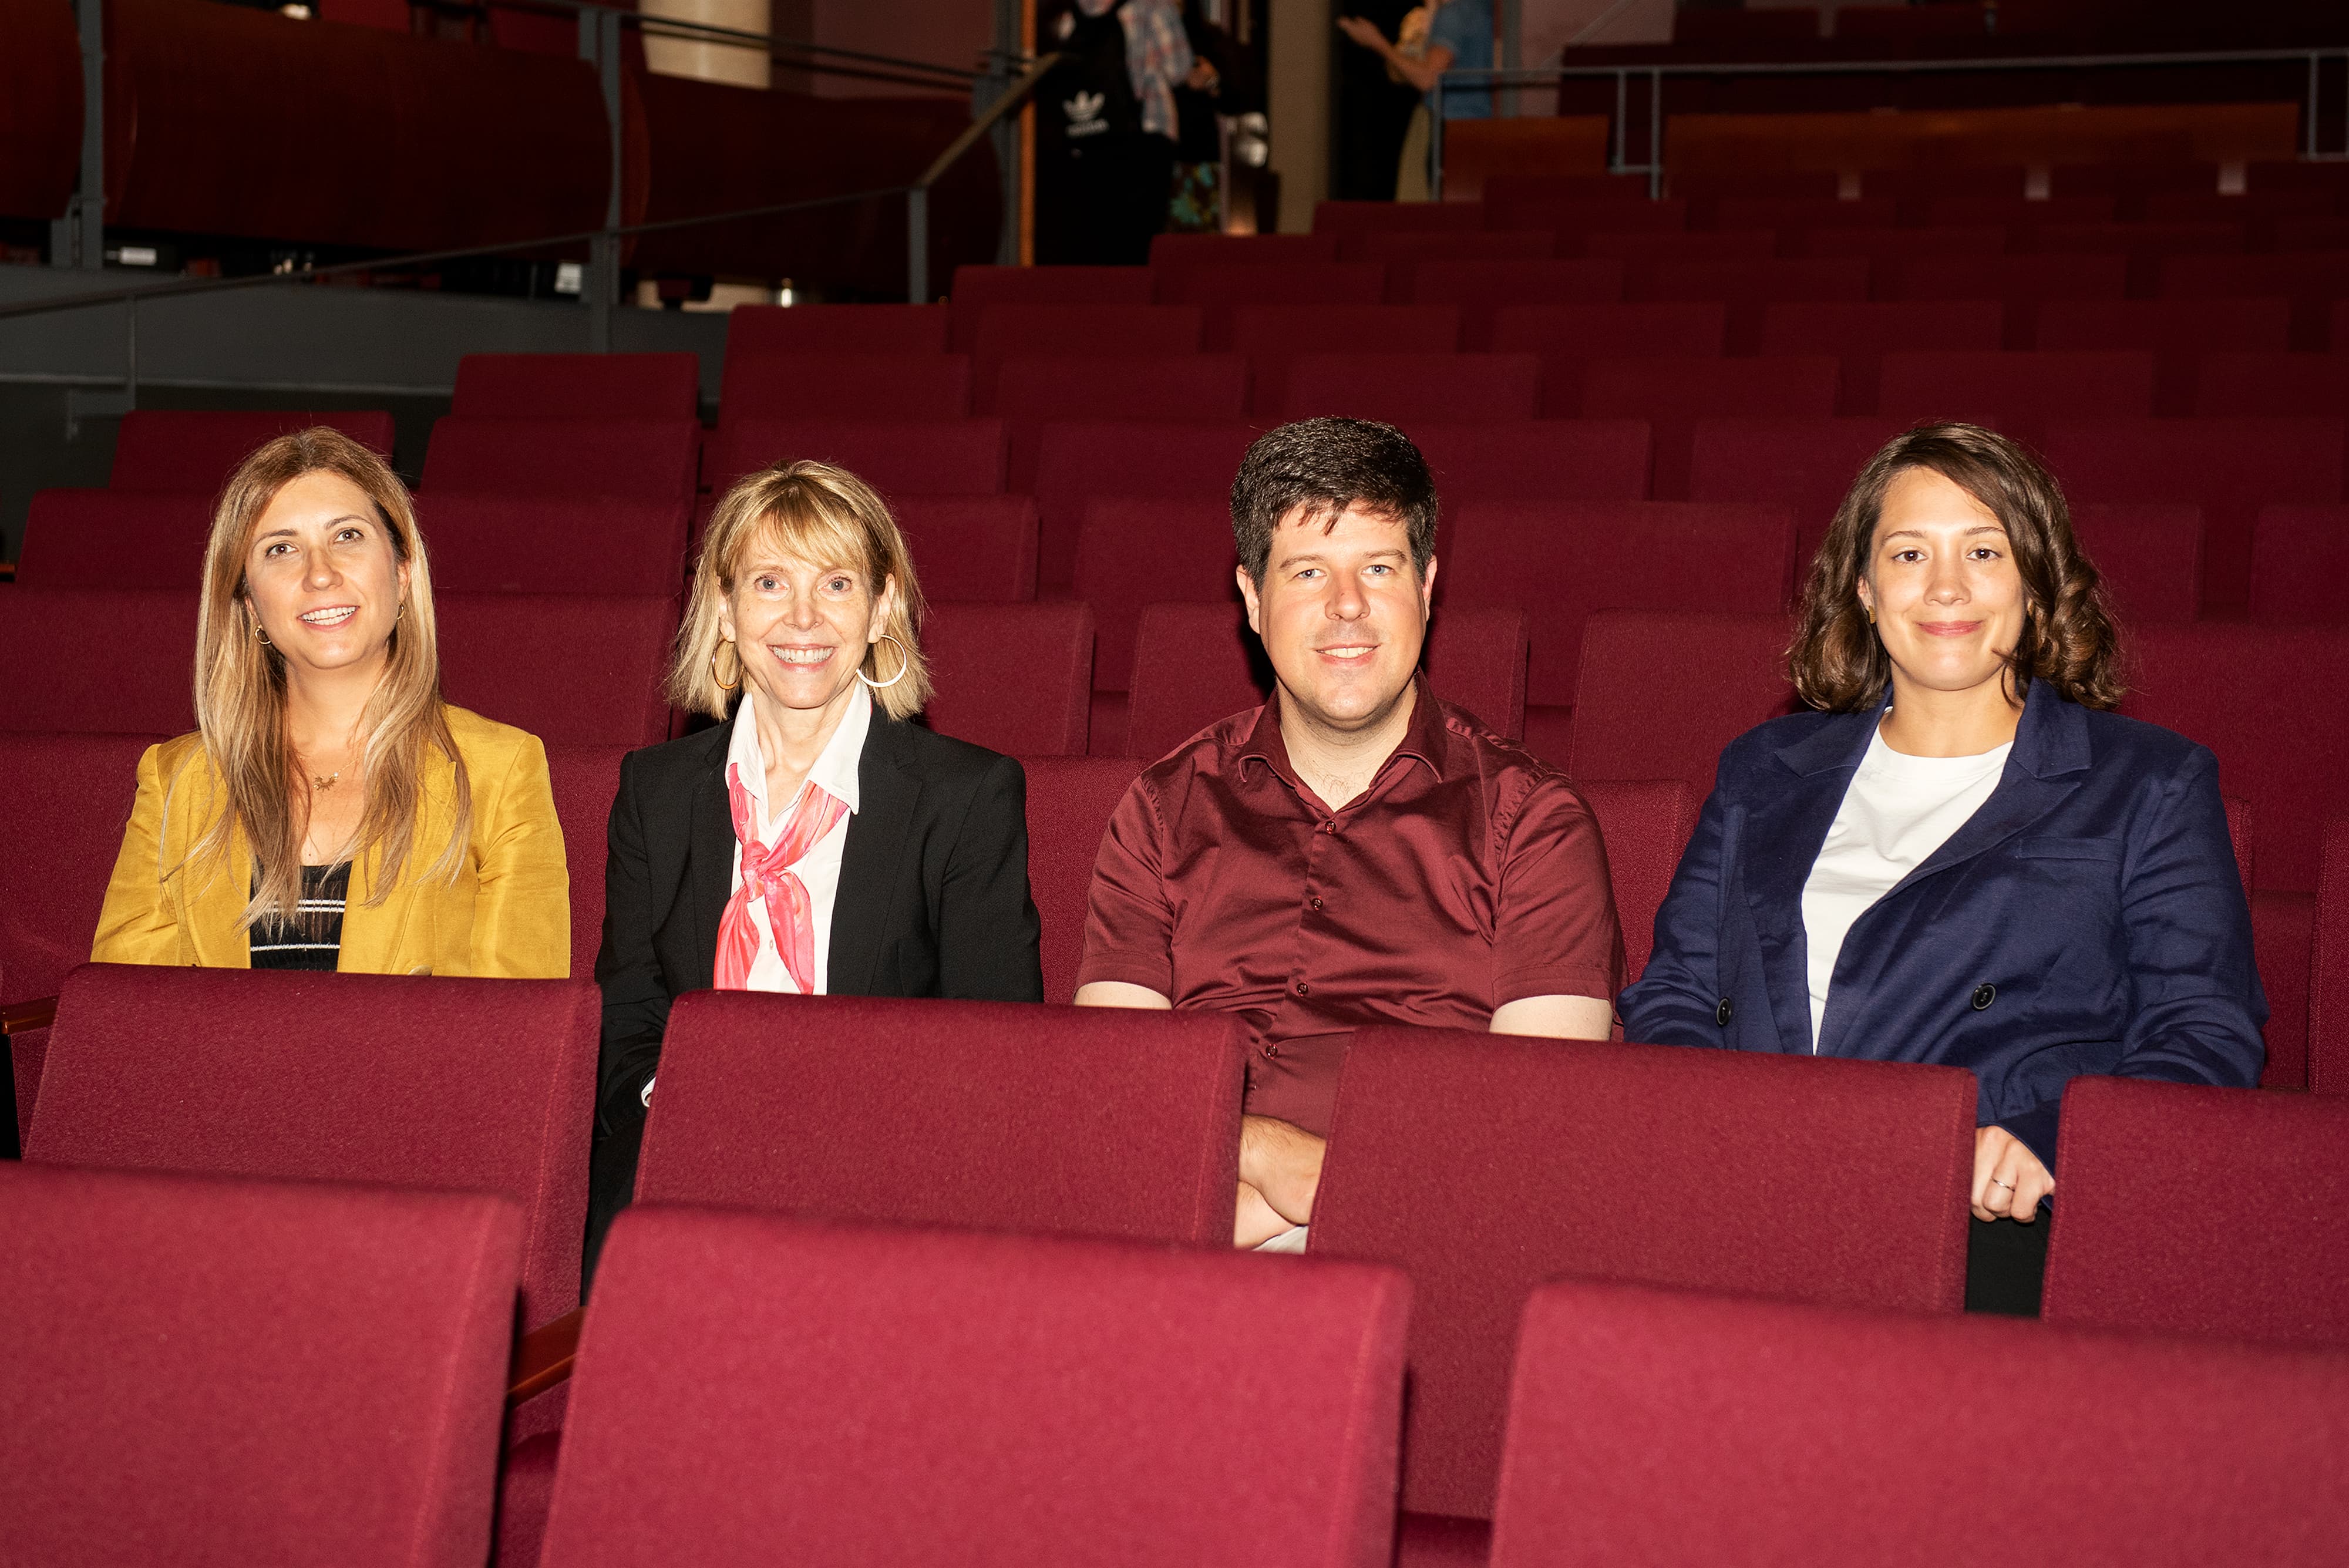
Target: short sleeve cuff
x: 1581, y: 980
x: 1126, y: 971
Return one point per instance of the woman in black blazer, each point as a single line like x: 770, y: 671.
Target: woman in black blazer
x: 820, y: 842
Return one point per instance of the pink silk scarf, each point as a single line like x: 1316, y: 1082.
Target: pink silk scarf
x: 767, y: 874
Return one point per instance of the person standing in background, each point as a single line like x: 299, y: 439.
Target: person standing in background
x: 1443, y: 36
x: 1116, y: 100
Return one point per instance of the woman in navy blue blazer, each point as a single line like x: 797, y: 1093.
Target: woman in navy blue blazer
x: 1963, y: 857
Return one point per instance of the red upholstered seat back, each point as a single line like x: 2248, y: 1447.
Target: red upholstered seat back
x: 1536, y: 460
x: 1082, y: 460
x: 2328, y: 1010
x: 1405, y: 388
x: 652, y: 459
x: 1195, y: 388
x: 755, y: 331
x: 1077, y: 331
x: 959, y: 457
x: 1343, y: 219
x: 115, y: 539
x: 1070, y: 800
x: 1486, y: 1164
x: 1013, y: 678
x: 1678, y: 1428
x: 847, y: 387
x: 1272, y: 337
x: 554, y: 544
x: 61, y: 677
x: 572, y: 669
x: 2150, y: 554
x: 2249, y: 693
x: 1135, y: 550
x: 1220, y: 289
x: 1673, y: 395
x: 1569, y: 337
x: 1195, y: 664
x: 1482, y: 285
x: 483, y: 1085
x: 198, y: 449
x: 924, y: 1396
x: 1559, y: 562
x: 1088, y: 1121
x: 1805, y: 466
x: 2300, y: 556
x: 1645, y: 824
x: 206, y: 1370
x: 1403, y: 252
x: 584, y: 779
x: 578, y: 387
x: 2273, y: 386
x: 1170, y: 253
x: 971, y: 546
x: 976, y: 288
x: 2017, y: 393
x: 1863, y: 333
x: 2177, y: 331
x: 2150, y: 1235
x: 1660, y: 694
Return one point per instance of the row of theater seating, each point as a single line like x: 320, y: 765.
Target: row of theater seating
x: 1444, y: 1162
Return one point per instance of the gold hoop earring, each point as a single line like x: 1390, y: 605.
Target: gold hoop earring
x: 260, y: 636
x: 905, y: 666
x: 719, y: 652
x: 400, y: 614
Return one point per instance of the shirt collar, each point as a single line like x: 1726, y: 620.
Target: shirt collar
x: 835, y: 767
x: 1423, y: 740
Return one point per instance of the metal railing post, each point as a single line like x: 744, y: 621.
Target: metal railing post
x: 1436, y: 144
x: 918, y: 246
x: 1622, y: 100
x: 1655, y: 135
x: 599, y: 45
x: 2308, y: 136
x: 78, y: 239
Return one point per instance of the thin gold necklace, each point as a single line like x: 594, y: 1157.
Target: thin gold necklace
x: 324, y: 785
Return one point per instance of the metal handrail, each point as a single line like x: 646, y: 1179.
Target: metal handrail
x: 1655, y: 72
x: 680, y: 26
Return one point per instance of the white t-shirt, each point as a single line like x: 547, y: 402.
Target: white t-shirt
x: 1899, y: 810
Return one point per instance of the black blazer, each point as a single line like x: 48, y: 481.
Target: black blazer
x: 933, y: 886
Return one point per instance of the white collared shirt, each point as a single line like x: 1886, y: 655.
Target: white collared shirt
x: 819, y: 869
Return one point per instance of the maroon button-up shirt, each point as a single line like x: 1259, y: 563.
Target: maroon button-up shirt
x: 1468, y: 874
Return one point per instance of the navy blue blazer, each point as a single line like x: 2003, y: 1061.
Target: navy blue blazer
x: 2087, y: 918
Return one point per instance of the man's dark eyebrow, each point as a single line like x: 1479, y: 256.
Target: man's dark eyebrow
x: 1316, y: 555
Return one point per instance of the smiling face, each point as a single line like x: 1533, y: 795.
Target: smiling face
x: 321, y: 575
x: 1342, y: 614
x: 802, y: 628
x: 1942, y: 579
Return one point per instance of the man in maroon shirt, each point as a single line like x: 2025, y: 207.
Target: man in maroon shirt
x: 1356, y: 851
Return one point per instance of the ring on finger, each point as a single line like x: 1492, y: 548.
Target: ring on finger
x: 1995, y: 1182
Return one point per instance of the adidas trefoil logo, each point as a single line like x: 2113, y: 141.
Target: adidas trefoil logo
x: 1084, y: 112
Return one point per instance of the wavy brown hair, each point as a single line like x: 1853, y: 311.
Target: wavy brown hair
x: 2068, y: 637
x: 241, y: 691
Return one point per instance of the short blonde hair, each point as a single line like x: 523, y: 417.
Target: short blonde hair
x: 819, y: 513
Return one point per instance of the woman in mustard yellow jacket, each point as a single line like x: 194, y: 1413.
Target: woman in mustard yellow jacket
x: 331, y: 811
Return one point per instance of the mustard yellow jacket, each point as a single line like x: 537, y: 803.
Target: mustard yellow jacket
x: 507, y: 915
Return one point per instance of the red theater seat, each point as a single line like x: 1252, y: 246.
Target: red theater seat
x: 1176, y: 252
x: 584, y: 779
x: 2300, y: 559
x: 2009, y: 207
x: 964, y: 457
x: 649, y: 458
x: 1343, y: 220
x: 1674, y: 395
x: 2025, y: 283
x: 1575, y: 216
x: 2016, y: 392
x: 1569, y: 336
x: 407, y: 1080
x: 1082, y: 460
x: 578, y: 387
x: 1446, y: 1160
x: 746, y: 1379
x: 1137, y: 550
x: 1661, y: 694
x: 1078, y: 332
x: 1746, y: 284
x: 2272, y: 386
x: 977, y: 288
x: 1195, y: 664
x: 992, y: 1114
x: 2150, y: 1234
x: 2150, y: 554
x: 2178, y: 332
x: 2312, y: 280
x: 1271, y: 338
x: 1560, y: 562
x: 2328, y: 1010
x: 1406, y: 389
x: 1804, y: 465
x: 971, y: 546
x: 1863, y: 333
x: 239, y: 1372
x: 114, y: 539
x: 1684, y: 1428
x: 1186, y: 388
x: 2246, y: 693
x: 572, y: 669
x: 1480, y: 289
x: 1800, y: 213
x: 1650, y: 248
x: 1537, y: 460
x: 1645, y: 824
x: 550, y: 544
x: 903, y: 387
x: 1621, y: 189
x: 1070, y: 800
x: 763, y: 330
x: 188, y: 449
x: 2231, y: 467
x: 1903, y: 245
x: 1407, y: 251
x: 53, y: 683
x: 1221, y: 290
x: 1013, y: 678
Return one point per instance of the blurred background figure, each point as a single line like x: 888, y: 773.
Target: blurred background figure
x: 1442, y: 35
x: 1115, y: 105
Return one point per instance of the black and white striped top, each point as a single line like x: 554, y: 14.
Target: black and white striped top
x: 313, y: 939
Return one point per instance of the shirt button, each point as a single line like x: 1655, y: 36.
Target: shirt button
x: 1724, y: 1013
x: 1984, y: 994
x: 1272, y: 1053
x: 1314, y: 903
x: 1303, y: 989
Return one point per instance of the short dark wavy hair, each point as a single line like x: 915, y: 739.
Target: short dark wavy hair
x: 1327, y: 465
x: 2068, y: 637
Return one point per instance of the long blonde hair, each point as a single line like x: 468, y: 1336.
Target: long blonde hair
x: 241, y: 691
x: 819, y: 513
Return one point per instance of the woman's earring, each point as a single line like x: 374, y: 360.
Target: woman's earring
x: 905, y: 666
x: 724, y: 646
x: 259, y: 634
x: 1868, y: 610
